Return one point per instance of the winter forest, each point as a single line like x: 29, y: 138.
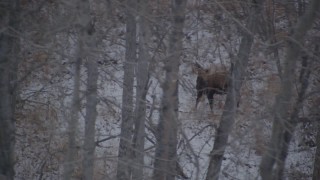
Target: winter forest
x: 159, y: 89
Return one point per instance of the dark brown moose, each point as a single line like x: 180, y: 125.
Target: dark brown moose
x: 210, y: 83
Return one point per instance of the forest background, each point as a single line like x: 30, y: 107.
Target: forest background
x: 106, y: 89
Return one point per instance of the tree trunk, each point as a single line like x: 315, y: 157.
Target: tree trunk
x: 125, y: 146
x: 90, y: 119
x: 70, y: 160
x: 142, y: 76
x: 283, y: 126
x: 9, y: 59
x: 88, y: 43
x: 70, y: 163
x: 84, y: 41
x: 233, y: 94
x: 166, y: 155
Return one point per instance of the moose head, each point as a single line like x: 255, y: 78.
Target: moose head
x: 209, y: 83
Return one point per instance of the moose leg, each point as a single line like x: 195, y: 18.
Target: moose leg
x: 210, y: 98
x: 199, y: 95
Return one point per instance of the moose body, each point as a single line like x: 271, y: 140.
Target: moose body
x: 210, y: 83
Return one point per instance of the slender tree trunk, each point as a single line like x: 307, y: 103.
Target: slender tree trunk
x: 142, y: 76
x: 70, y: 163
x: 87, y: 42
x: 90, y: 119
x: 283, y: 126
x: 238, y: 69
x: 125, y: 146
x: 70, y: 160
x: 287, y: 134
x: 166, y: 155
x: 9, y: 59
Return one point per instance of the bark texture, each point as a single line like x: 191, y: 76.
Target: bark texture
x: 125, y: 146
x: 166, y: 155
x: 85, y: 44
x: 88, y: 44
x: 9, y: 59
x: 70, y: 163
x: 90, y: 119
x: 142, y: 76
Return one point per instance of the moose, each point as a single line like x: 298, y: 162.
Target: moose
x: 210, y: 83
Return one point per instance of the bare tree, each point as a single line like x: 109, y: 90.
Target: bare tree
x: 142, y: 77
x: 73, y: 124
x: 125, y: 146
x: 90, y: 119
x: 9, y: 59
x: 70, y: 163
x: 238, y: 68
x: 166, y: 155
x: 272, y: 163
x: 88, y: 44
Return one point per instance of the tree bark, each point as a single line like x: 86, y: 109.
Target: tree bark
x: 283, y: 125
x: 88, y: 43
x: 90, y: 119
x: 238, y: 69
x: 125, y: 146
x: 166, y: 155
x: 70, y: 159
x: 142, y: 76
x: 70, y: 163
x: 9, y: 59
